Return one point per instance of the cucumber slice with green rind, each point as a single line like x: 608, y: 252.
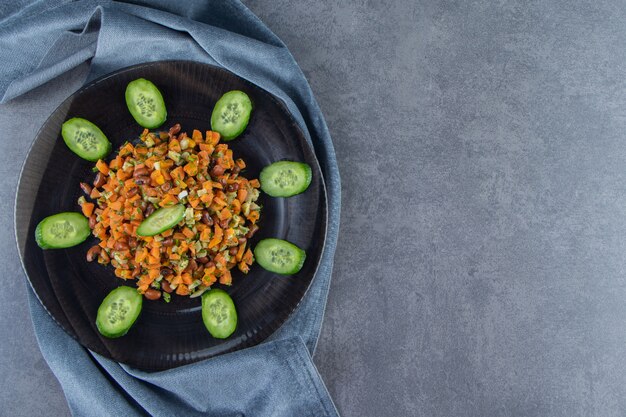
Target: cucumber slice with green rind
x: 118, y: 312
x: 218, y: 313
x: 161, y: 220
x: 231, y: 114
x: 285, y: 178
x: 279, y: 256
x: 62, y: 230
x: 85, y: 139
x: 145, y: 103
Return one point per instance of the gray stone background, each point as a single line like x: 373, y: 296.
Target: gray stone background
x: 480, y: 268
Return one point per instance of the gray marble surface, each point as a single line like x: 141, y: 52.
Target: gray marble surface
x: 481, y: 262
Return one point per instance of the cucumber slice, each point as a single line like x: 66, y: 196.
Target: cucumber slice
x: 285, y: 178
x: 161, y: 220
x: 62, y: 230
x: 85, y: 139
x: 279, y: 256
x: 145, y: 103
x: 231, y: 114
x: 118, y: 312
x: 218, y: 313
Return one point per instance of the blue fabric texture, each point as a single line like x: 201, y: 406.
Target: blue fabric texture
x: 41, y: 40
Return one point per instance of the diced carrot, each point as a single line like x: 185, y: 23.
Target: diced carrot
x: 141, y: 255
x: 248, y: 258
x: 187, y: 279
x: 128, y: 229
x: 177, y: 174
x: 87, y: 209
x: 242, y: 193
x: 154, y: 273
x: 219, y: 260
x: 212, y: 138
x: 122, y: 175
x: 254, y: 183
x: 196, y: 135
x: 174, y: 145
x: 219, y: 202
x: 191, y: 169
x: 95, y: 193
x: 116, y: 163
x: 150, y: 162
x: 206, y: 147
x: 209, y: 279
x: 240, y: 252
x: 102, y: 167
x: 205, y: 235
x: 217, y: 238
x: 207, y: 198
x: 236, y: 206
x: 225, y: 214
x: 182, y: 290
x: 253, y: 216
x: 188, y: 232
x: 193, y: 201
x: 168, y: 200
x: 243, y: 267
x: 226, y: 278
x: 116, y: 206
x: 157, y: 177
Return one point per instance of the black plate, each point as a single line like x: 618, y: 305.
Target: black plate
x: 167, y: 335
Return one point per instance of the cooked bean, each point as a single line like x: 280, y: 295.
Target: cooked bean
x: 132, y: 192
x: 174, y: 130
x: 121, y: 245
x: 217, y: 170
x: 209, y: 264
x: 224, y: 223
x: 166, y: 186
x: 149, y: 210
x: 242, y: 240
x: 206, y: 218
x: 165, y: 286
x: 140, y: 172
x: 192, y: 266
x: 152, y: 294
x: 93, y: 253
x: 253, y: 230
x: 198, y: 273
x: 92, y: 221
x: 86, y: 188
x: 168, y: 242
x: 232, y: 187
x: 236, y: 170
x: 100, y: 180
x: 142, y: 180
x: 132, y: 242
x: 165, y: 271
x: 203, y: 260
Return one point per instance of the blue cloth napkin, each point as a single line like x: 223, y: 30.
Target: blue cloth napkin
x: 41, y: 40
